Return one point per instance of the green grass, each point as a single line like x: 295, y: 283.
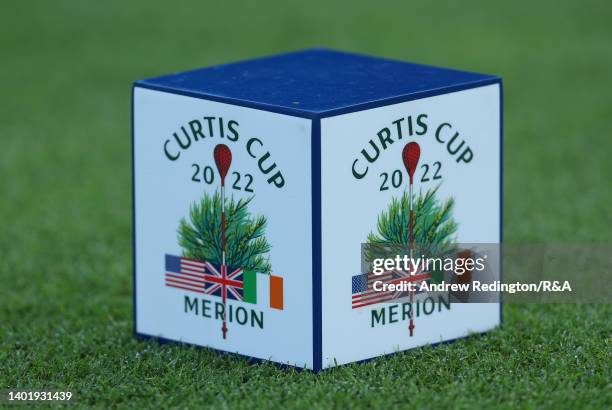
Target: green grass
x: 65, y: 298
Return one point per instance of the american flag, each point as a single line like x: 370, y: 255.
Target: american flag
x: 363, y: 286
x: 203, y: 277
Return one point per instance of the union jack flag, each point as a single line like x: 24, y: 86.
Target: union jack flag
x: 203, y: 277
x: 363, y: 286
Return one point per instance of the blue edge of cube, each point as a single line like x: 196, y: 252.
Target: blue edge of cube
x: 313, y: 84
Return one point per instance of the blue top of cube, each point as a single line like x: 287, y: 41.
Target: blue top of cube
x: 317, y: 82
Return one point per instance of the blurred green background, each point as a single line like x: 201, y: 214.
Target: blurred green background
x: 65, y: 243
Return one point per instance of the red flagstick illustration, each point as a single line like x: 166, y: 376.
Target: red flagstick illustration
x: 223, y: 160
x: 410, y: 156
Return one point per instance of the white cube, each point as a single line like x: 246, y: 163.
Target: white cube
x: 256, y: 184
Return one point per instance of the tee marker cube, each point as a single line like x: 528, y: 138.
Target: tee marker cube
x: 256, y: 183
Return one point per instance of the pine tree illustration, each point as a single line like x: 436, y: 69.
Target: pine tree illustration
x: 246, y: 246
x: 433, y: 230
